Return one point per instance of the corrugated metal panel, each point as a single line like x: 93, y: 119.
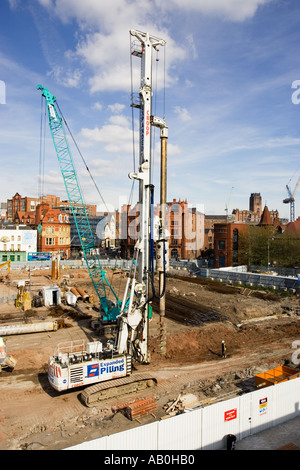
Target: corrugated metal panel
x: 207, y: 428
x: 218, y: 420
x: 245, y: 415
x: 182, y: 432
x: 140, y: 438
x: 287, y: 400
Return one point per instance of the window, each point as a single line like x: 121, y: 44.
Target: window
x: 235, y: 240
x: 50, y: 241
x: 221, y: 244
x: 221, y: 261
x: 9, y: 209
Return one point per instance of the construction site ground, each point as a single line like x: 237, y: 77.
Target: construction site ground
x: 259, y: 329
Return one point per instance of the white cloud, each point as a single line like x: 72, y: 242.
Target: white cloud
x: 101, y: 46
x: 116, y: 136
x: 234, y: 10
x: 101, y: 49
x: 116, y: 107
x: 173, y: 149
x: 68, y: 78
x: 265, y: 143
x: 98, y: 106
x: 13, y: 3
x: 183, y: 114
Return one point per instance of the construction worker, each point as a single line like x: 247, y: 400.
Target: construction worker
x: 223, y: 349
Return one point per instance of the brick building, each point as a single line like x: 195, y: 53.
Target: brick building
x: 19, y: 204
x: 254, y: 213
x: 185, y: 227
x: 226, y: 243
x: 209, y: 227
x: 53, y: 229
x: 226, y: 237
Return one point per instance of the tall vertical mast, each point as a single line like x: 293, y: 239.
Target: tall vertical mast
x: 148, y: 43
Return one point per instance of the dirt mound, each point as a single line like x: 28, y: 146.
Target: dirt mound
x: 204, y: 344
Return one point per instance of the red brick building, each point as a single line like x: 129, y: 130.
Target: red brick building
x: 185, y: 226
x: 226, y: 237
x: 53, y: 229
x: 210, y: 221
x: 29, y: 204
x: 226, y: 243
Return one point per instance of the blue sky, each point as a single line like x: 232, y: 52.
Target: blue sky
x: 223, y: 82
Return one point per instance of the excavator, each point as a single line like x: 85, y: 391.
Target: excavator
x: 107, y: 368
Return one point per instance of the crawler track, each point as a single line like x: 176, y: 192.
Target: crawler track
x: 117, y: 388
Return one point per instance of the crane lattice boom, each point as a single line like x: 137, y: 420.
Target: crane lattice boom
x: 86, y: 236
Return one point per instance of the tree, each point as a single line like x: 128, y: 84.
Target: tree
x: 262, y: 246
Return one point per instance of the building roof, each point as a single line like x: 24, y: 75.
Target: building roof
x: 23, y: 216
x: 15, y: 227
x: 265, y: 218
x: 293, y: 227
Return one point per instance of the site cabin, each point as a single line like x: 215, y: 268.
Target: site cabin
x: 275, y: 376
x: 51, y: 296
x: 76, y: 364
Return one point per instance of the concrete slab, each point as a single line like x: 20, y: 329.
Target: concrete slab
x: 286, y: 434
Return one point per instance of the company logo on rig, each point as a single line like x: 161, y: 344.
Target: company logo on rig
x: 117, y: 365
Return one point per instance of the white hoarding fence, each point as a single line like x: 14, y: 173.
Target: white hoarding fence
x: 207, y: 428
